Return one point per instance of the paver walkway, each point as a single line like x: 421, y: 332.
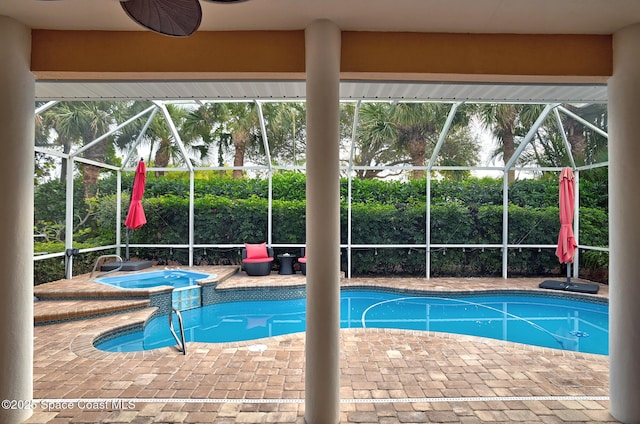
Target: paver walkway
x: 387, y: 376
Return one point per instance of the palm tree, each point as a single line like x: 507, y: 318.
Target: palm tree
x: 158, y: 137
x: 244, y: 128
x: 377, y: 135
x: 585, y: 144
x: 507, y: 122
x: 44, y: 164
x: 408, y: 133
x: 221, y: 122
x: 229, y: 125
x: 501, y: 119
x: 206, y: 123
x: 168, y: 150
x: 286, y: 131
x: 80, y: 123
x: 419, y: 126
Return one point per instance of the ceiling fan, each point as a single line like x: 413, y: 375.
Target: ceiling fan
x: 175, y: 18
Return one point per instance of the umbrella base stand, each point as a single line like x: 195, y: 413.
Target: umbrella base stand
x: 127, y: 265
x: 570, y: 286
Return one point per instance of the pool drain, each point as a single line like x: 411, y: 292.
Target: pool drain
x: 579, y: 333
x: 257, y: 348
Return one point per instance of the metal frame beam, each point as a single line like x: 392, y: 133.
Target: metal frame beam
x: 350, y: 168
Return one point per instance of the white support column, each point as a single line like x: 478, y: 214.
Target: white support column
x: 505, y: 223
x: 118, y: 212
x: 17, y: 117
x: 575, y: 267
x: 356, y: 117
x: 192, y: 220
x: 68, y: 218
x: 624, y: 226
x: 322, y: 378
x: 427, y: 230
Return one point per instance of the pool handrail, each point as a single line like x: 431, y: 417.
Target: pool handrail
x: 182, y: 346
x: 95, y: 265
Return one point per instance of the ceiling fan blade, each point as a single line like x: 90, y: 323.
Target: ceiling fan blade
x: 176, y: 18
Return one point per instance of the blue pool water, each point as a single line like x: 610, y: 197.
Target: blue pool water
x: 536, y: 320
x: 145, y: 280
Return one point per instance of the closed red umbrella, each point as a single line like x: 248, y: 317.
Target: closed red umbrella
x: 566, y: 240
x: 135, y: 216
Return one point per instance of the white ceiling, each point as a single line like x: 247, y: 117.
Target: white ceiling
x: 294, y: 90
x: 465, y: 16
x: 462, y: 16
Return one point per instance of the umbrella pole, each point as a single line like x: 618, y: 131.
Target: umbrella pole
x: 126, y: 251
x: 568, y: 272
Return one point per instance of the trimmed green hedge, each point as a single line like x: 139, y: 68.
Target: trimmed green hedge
x: 290, y: 186
x: 231, y: 211
x: 219, y: 220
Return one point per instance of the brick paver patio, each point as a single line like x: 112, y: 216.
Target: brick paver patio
x: 387, y: 376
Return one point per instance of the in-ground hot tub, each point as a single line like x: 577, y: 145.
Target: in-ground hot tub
x: 186, y: 291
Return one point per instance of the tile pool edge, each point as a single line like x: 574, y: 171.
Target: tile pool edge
x: 514, y: 291
x: 83, y: 344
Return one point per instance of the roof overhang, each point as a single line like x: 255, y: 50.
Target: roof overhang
x: 295, y: 90
x: 270, y: 65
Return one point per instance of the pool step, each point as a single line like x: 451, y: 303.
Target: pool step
x: 81, y: 297
x: 55, y: 311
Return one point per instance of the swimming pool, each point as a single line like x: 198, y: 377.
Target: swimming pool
x: 539, y: 320
x: 186, y: 291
